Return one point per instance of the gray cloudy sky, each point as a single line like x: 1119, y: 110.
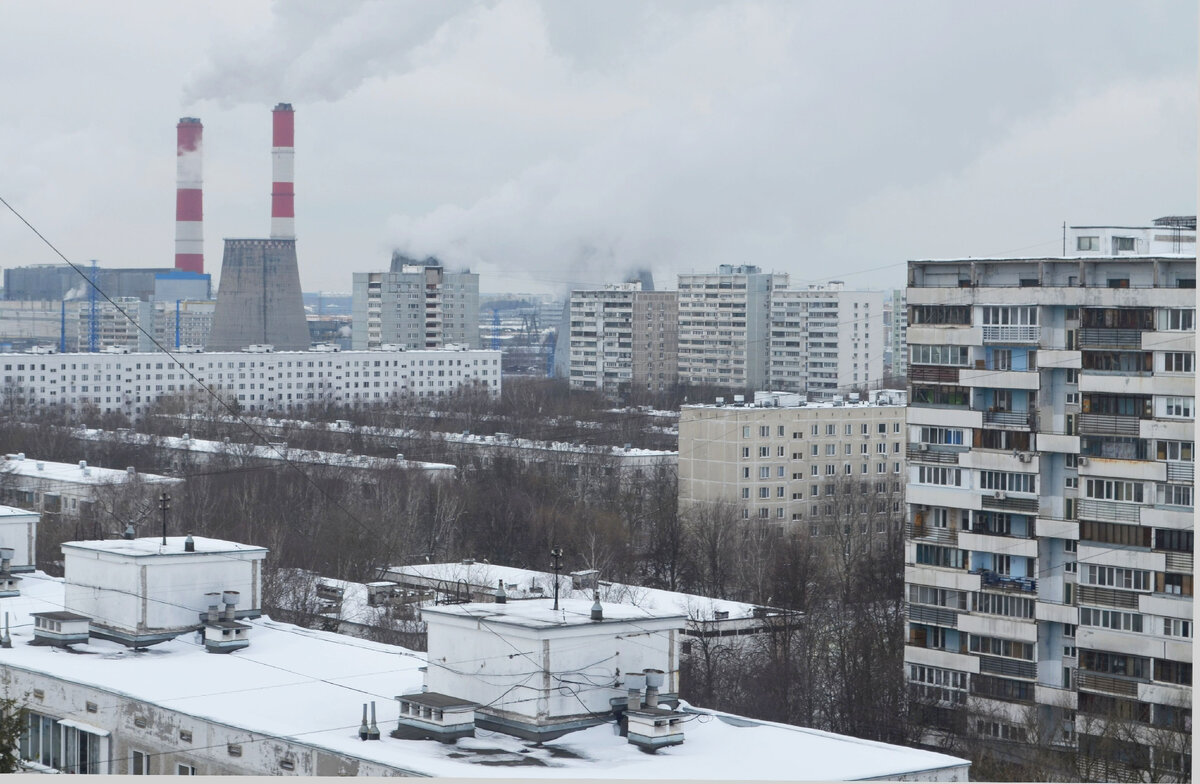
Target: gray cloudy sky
x: 547, y: 142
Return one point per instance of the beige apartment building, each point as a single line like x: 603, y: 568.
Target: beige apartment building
x: 784, y: 460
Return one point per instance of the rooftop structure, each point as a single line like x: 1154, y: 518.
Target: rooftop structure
x: 291, y: 704
x: 1174, y: 234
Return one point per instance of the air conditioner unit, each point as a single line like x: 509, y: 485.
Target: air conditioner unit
x: 922, y: 447
x: 1083, y: 461
x: 1025, y: 457
x: 1000, y: 495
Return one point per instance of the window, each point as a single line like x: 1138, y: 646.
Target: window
x: 764, y: 431
x: 1113, y: 490
x: 1110, y: 619
x: 831, y: 449
x: 764, y: 451
x: 746, y: 431
x: 764, y: 472
x: 1179, y: 362
x: 185, y: 770
x: 1123, y: 244
x: 1115, y: 577
x: 1174, y: 495
x: 1174, y: 450
x: 1178, y: 406
x: 1177, y: 319
x: 139, y: 765
x: 1087, y: 243
x: 1177, y: 627
x: 831, y: 430
x: 956, y: 356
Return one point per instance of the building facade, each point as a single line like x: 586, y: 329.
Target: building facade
x: 1049, y: 564
x: 724, y: 325
x: 417, y: 305
x: 825, y: 340
x: 783, y: 460
x: 624, y: 339
x: 1169, y: 235
x: 897, y: 335
x: 257, y: 380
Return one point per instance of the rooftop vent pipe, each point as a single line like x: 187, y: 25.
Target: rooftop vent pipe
x: 189, y: 544
x: 634, y: 682
x: 501, y: 595
x: 214, y: 606
x: 230, y: 598
x: 6, y: 556
x: 129, y: 532
x: 6, y: 640
x: 654, y: 679
x: 597, y: 610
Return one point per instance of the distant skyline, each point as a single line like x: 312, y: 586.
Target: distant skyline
x: 544, y: 144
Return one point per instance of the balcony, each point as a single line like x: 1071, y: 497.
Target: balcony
x: 1013, y: 333
x: 1109, y: 511
x: 933, y: 374
x: 1180, y: 472
x: 1011, y: 668
x: 1106, y: 684
x: 1021, y: 419
x: 1003, y: 582
x: 1110, y: 338
x: 1108, y: 425
x: 1005, y: 503
x: 1179, y: 562
x: 937, y: 616
x: 1107, y: 597
x: 931, y: 533
x: 932, y: 454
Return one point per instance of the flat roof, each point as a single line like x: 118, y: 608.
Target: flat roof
x: 71, y: 472
x: 152, y: 545
x: 308, y: 686
x: 1124, y: 257
x: 12, y: 511
x: 540, y: 613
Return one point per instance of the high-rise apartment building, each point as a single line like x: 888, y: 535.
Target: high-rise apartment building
x: 417, y: 305
x: 1049, y: 553
x: 724, y: 325
x: 896, y: 324
x: 624, y: 339
x: 781, y: 459
x: 825, y: 340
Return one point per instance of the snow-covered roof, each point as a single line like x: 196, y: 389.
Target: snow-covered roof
x: 540, y: 613
x: 519, y: 582
x: 74, y: 473
x: 309, y: 686
x: 12, y: 511
x: 152, y: 545
x: 259, y: 451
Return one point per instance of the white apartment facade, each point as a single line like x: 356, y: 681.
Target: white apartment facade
x: 70, y: 489
x: 623, y: 338
x: 415, y: 305
x: 1049, y: 552
x: 785, y: 461
x: 724, y: 325
x: 826, y: 340
x: 259, y: 379
x: 1168, y: 235
x: 897, y: 335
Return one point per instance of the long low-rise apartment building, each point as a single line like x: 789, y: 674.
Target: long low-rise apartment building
x: 258, y: 379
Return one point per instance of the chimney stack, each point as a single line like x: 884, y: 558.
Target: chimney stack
x: 213, y: 606
x: 230, y: 598
x: 283, y: 154
x: 501, y: 595
x: 6, y: 556
x: 189, y: 198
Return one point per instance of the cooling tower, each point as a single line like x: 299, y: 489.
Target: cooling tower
x: 259, y: 301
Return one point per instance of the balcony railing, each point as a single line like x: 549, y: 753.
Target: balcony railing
x: 1180, y: 562
x: 1091, y: 337
x: 1106, y: 683
x: 934, y: 374
x: 1004, y: 582
x: 1107, y: 597
x: 1007, y: 418
x: 1013, y: 333
x: 932, y: 533
x: 931, y: 455
x: 1180, y: 472
x: 978, y: 529
x: 938, y: 616
x: 1009, y: 504
x: 1108, y: 424
x: 1109, y: 511
x: 1008, y: 667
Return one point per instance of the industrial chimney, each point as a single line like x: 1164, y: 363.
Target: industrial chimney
x: 189, y: 198
x: 283, y: 155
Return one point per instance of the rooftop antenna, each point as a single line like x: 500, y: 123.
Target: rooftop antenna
x: 164, y: 504
x: 556, y: 565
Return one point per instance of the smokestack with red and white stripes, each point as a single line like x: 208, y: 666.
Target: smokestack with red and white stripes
x: 283, y: 156
x: 189, y: 196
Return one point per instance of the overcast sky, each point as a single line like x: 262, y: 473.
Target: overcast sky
x: 541, y: 143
